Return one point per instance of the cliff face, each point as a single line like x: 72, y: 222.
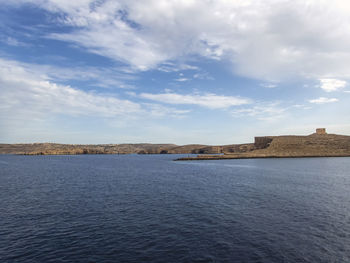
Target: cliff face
x: 314, y: 145
x: 262, y: 142
x: 326, y: 144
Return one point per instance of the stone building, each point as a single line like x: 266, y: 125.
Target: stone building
x: 321, y: 131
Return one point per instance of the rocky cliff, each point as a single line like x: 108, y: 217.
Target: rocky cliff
x: 314, y: 145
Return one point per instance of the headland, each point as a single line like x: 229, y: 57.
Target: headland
x: 318, y: 144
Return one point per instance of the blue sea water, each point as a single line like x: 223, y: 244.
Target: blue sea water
x: 148, y: 208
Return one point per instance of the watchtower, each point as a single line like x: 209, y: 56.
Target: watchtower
x: 321, y: 131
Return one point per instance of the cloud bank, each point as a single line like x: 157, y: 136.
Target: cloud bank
x: 27, y: 92
x: 263, y: 39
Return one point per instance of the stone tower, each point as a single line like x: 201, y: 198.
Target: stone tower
x: 321, y: 131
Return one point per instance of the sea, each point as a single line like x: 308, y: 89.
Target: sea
x: 150, y: 208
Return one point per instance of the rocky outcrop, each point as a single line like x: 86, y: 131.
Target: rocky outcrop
x: 314, y: 145
x: 262, y: 142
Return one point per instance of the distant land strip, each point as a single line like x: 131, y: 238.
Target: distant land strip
x: 319, y: 144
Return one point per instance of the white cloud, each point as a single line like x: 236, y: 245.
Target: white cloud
x: 301, y: 106
x: 158, y: 111
x: 25, y: 92
x: 268, y: 85
x: 323, y: 100
x: 29, y: 96
x: 330, y: 85
x: 263, y: 111
x: 211, y: 101
x: 100, y: 77
x: 12, y: 41
x: 264, y: 39
x: 182, y: 79
x: 203, y: 75
x: 173, y: 67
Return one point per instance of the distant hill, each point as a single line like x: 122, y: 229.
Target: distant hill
x: 60, y: 149
x: 317, y: 144
x: 314, y: 145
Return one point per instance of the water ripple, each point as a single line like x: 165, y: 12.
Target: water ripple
x: 150, y: 209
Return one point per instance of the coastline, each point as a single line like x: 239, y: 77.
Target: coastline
x: 229, y: 157
x: 319, y: 144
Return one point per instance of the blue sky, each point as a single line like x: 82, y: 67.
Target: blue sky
x: 209, y: 72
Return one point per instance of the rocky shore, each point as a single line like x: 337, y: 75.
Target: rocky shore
x: 314, y: 145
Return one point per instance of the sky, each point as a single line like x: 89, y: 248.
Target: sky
x: 166, y: 71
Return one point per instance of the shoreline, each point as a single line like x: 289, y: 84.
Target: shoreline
x: 210, y: 158
x: 319, y: 144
